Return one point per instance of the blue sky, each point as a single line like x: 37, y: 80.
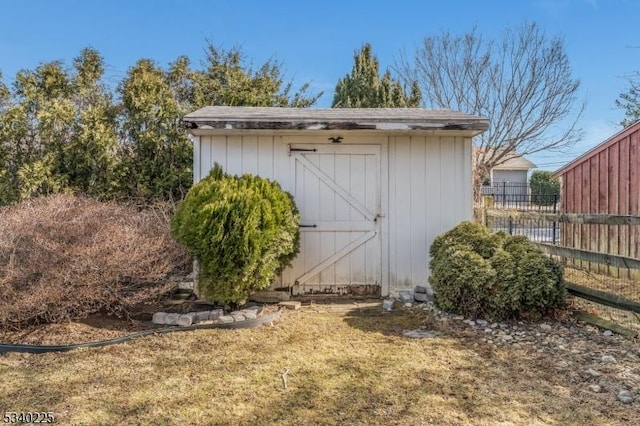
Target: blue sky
x: 315, y: 40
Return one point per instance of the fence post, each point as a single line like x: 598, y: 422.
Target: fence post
x: 510, y: 225
x: 555, y: 224
x: 504, y: 193
x: 487, y: 203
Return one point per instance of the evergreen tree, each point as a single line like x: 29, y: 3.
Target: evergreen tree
x: 91, y: 155
x: 228, y: 79
x: 57, y: 131
x: 363, y: 87
x: 5, y: 148
x: 37, y: 125
x: 61, y: 130
x: 545, y: 190
x: 156, y: 152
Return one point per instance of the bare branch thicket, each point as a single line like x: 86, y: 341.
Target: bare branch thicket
x: 64, y: 257
x: 522, y: 83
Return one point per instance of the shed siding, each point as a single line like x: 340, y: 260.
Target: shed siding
x: 429, y: 193
x: 426, y: 190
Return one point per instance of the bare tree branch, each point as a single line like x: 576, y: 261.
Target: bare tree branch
x: 629, y: 100
x: 522, y: 83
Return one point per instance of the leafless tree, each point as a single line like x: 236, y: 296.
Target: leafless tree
x: 629, y: 100
x: 522, y: 83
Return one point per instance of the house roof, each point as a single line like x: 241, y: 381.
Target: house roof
x: 516, y: 163
x: 377, y: 119
x: 635, y: 127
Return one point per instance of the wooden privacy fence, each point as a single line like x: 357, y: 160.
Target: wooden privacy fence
x: 619, y: 284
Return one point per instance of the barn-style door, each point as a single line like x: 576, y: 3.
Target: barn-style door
x: 337, y: 190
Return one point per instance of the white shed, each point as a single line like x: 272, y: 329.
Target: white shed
x: 374, y: 186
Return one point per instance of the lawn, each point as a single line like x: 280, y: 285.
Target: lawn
x: 325, y: 364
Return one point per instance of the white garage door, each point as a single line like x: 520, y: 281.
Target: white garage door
x: 337, y: 190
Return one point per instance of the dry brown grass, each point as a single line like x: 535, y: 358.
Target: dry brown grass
x: 627, y: 288
x: 64, y: 257
x: 623, y: 287
x: 345, y: 366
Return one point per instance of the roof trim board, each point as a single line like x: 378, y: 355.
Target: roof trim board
x: 390, y: 120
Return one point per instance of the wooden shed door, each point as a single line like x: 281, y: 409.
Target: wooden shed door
x: 337, y: 190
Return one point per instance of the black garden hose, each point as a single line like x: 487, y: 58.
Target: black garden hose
x: 39, y: 349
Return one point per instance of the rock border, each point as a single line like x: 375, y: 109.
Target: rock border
x: 215, y: 316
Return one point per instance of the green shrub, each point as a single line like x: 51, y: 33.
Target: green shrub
x: 498, y: 277
x: 545, y: 190
x: 541, y: 277
x: 468, y: 276
x: 243, y: 231
x: 473, y: 235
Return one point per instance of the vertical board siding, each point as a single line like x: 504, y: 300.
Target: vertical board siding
x: 401, y: 197
x: 249, y: 155
x: 197, y: 142
x: 623, y: 199
x: 614, y: 196
x: 634, y: 192
x: 418, y: 246
x: 433, y: 217
x: 205, y: 157
x: 393, y: 213
x: 357, y: 188
x: 236, y: 155
x: 603, y: 206
x: 217, y: 153
x: 606, y: 181
x: 428, y: 189
x: 372, y: 203
x: 265, y: 156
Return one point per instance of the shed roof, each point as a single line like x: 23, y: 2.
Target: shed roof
x: 635, y: 127
x: 378, y: 119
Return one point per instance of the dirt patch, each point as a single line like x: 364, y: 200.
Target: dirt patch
x: 104, y: 326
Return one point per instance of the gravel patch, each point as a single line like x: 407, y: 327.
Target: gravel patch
x: 600, y: 363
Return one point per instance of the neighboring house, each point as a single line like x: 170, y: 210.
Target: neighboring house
x: 515, y: 170
x: 374, y: 186
x: 509, y: 181
x: 604, y: 180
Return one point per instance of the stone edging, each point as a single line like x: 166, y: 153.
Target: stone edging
x: 215, y: 316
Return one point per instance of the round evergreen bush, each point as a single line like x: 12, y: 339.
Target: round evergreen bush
x: 473, y: 235
x: 242, y: 229
x: 468, y: 279
x: 494, y: 276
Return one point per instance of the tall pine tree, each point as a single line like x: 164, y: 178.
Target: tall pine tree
x: 364, y: 88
